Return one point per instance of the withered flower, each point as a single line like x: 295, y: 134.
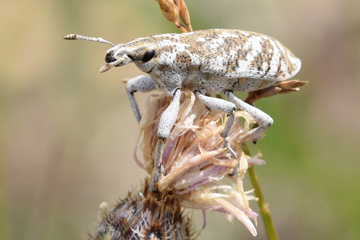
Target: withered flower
x: 195, y: 161
x: 147, y: 216
x: 195, y: 166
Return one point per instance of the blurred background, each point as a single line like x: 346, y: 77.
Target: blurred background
x: 67, y: 132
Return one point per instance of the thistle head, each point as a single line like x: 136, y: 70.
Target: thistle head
x: 195, y: 161
x: 147, y: 216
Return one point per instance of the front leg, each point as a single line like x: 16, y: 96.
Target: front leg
x: 142, y: 84
x: 166, y: 123
x: 225, y: 106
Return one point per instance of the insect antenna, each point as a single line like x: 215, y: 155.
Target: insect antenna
x: 85, y: 38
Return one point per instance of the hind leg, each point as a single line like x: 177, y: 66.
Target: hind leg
x: 263, y: 120
x: 225, y: 106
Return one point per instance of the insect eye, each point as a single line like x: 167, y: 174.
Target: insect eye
x: 148, y: 55
x: 109, y: 57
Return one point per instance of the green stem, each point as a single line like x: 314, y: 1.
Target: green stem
x: 264, y: 207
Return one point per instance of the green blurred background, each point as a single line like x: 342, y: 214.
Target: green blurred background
x: 67, y: 132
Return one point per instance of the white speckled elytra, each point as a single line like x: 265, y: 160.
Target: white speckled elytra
x: 205, y: 62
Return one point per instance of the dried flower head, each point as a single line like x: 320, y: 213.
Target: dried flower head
x: 195, y: 160
x: 147, y: 216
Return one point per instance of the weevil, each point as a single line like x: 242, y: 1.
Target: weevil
x: 205, y: 62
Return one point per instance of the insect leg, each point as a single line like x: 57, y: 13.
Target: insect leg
x: 263, y: 120
x: 142, y: 84
x: 166, y: 123
x: 225, y: 106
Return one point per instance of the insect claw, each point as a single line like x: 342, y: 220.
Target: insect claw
x: 233, y: 153
x: 228, y: 147
x: 158, y: 174
x: 152, y: 186
x: 235, y: 171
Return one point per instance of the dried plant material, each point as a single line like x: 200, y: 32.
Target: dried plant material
x: 195, y: 161
x: 292, y: 85
x: 170, y: 11
x: 184, y: 13
x: 283, y: 87
x: 145, y: 215
x: 173, y: 10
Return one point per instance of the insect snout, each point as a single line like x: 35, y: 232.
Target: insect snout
x: 109, y: 58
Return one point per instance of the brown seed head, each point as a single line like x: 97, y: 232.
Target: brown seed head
x: 146, y: 216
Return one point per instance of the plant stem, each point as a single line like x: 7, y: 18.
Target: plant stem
x: 263, y: 206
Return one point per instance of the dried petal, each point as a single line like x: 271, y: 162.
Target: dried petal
x: 283, y: 87
x: 292, y: 84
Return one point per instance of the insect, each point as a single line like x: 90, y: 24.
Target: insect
x: 205, y: 62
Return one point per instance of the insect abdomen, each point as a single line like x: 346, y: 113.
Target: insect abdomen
x: 241, y: 54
